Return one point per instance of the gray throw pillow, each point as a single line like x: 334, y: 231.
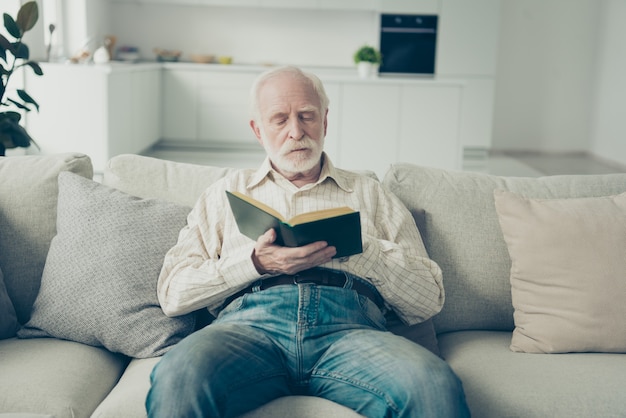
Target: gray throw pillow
x: 99, y: 281
x: 8, y: 318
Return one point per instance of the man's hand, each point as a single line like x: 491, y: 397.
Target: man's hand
x: 274, y: 259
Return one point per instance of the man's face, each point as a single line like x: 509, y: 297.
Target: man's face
x: 291, y: 127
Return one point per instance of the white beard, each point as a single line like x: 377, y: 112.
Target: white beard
x: 288, y: 162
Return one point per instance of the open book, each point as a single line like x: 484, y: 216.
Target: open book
x: 339, y: 227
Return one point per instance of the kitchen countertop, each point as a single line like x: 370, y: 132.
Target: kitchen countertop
x: 342, y: 74
x: 328, y: 74
x: 113, y: 66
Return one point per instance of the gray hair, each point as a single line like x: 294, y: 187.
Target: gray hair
x: 315, y: 82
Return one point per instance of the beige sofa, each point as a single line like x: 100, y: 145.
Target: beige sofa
x: 104, y: 342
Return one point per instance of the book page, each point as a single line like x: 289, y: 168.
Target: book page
x: 319, y: 214
x: 259, y: 205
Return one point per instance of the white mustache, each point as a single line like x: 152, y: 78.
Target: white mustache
x: 305, y: 142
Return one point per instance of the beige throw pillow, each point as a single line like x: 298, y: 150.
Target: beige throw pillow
x: 568, y: 272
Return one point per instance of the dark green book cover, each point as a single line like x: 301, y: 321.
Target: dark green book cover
x: 339, y: 227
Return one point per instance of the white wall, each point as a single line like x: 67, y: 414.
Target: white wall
x: 546, y: 69
x: 560, y: 68
x: 608, y: 133
x: 251, y: 36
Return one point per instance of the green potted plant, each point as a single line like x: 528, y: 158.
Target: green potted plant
x: 367, y: 58
x: 14, y: 55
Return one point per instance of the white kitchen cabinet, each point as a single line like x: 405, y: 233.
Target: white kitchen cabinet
x: 245, y: 3
x: 176, y: 2
x: 332, y: 141
x: 290, y: 4
x: 429, y: 126
x: 467, y: 49
x: 180, y: 117
x: 99, y: 110
x: 365, y: 5
x: 348, y: 4
x: 207, y: 106
x: 369, y: 129
x: 138, y: 104
x: 477, y: 112
x: 385, y: 123
x: 371, y: 123
x: 223, y: 108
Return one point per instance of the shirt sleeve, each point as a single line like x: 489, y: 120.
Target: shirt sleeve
x: 395, y: 260
x: 194, y: 275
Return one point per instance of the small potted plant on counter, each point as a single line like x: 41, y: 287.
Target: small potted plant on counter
x: 367, y: 58
x: 13, y: 56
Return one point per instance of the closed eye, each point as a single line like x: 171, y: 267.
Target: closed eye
x: 308, y: 116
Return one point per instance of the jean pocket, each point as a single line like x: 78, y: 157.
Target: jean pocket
x: 233, y: 307
x: 371, y: 313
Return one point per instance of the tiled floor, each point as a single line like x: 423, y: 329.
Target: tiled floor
x: 552, y: 164
x: 504, y: 164
x: 533, y: 164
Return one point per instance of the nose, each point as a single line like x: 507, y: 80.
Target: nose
x: 295, y: 130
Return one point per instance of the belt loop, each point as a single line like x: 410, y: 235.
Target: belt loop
x: 349, y: 280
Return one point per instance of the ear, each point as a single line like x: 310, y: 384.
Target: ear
x: 325, y: 122
x: 257, y: 130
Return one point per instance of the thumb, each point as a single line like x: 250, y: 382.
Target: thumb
x: 269, y: 237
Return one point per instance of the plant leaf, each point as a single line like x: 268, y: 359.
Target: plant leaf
x: 19, y: 105
x: 21, y: 50
x: 14, y: 116
x: 35, y: 66
x: 12, y: 27
x: 4, y: 46
x: 27, y: 99
x: 27, y: 16
x: 13, y: 134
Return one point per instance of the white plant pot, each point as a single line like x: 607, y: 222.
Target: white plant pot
x: 366, y: 69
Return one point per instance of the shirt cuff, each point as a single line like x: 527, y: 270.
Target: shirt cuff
x: 240, y: 271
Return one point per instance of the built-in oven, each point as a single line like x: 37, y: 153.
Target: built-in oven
x: 408, y: 44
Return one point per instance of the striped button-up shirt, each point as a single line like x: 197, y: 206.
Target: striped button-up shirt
x: 212, y: 259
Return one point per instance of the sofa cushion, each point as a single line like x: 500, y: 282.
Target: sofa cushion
x: 501, y: 383
x: 145, y: 177
x: 462, y: 234
x: 28, y: 210
x: 568, y: 273
x: 8, y: 318
x: 61, y: 378
x: 127, y: 399
x: 99, y: 282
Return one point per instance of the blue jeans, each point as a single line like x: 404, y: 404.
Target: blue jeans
x: 302, y: 339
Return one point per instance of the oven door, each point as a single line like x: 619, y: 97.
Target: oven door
x: 408, y: 44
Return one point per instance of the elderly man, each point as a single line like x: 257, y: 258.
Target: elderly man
x: 296, y: 320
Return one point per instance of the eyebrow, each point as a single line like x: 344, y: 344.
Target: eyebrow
x: 308, y: 109
x: 305, y: 109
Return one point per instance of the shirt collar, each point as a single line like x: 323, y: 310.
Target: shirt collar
x: 328, y: 172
